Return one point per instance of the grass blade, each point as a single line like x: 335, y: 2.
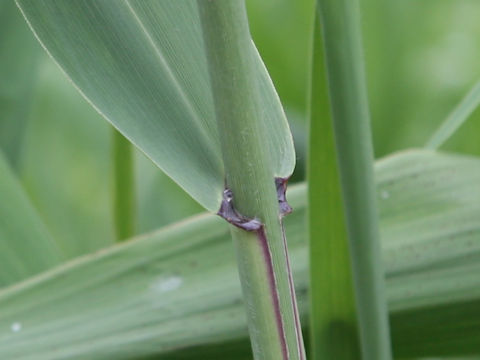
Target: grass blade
x: 26, y: 246
x: 456, y: 118
x: 175, y: 293
x: 124, y: 204
x: 333, y: 324
x: 340, y: 21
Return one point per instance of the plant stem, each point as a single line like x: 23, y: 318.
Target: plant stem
x: 333, y: 323
x: 123, y: 197
x: 262, y: 255
x: 348, y: 97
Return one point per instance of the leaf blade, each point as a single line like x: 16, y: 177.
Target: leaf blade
x: 333, y: 321
x: 146, y: 74
x: 26, y: 245
x: 152, y: 312
x: 341, y: 33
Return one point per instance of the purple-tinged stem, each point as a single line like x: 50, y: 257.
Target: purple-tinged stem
x: 249, y: 173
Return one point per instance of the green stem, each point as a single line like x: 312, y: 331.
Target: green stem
x: 262, y: 257
x: 348, y: 97
x: 333, y: 323
x: 123, y: 197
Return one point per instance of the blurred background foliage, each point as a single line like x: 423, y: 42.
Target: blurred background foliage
x: 421, y: 57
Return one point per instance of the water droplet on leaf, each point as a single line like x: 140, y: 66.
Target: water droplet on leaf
x: 16, y: 327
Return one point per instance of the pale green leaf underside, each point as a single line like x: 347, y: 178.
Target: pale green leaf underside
x: 178, y: 288
x: 26, y: 247
x: 142, y: 64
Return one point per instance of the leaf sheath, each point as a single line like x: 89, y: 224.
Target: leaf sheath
x: 261, y: 254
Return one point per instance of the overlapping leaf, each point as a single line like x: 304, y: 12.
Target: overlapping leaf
x: 142, y: 64
x: 26, y: 247
x: 175, y: 293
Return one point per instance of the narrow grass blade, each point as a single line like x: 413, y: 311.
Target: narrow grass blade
x: 175, y: 293
x: 142, y: 64
x: 333, y: 324
x: 123, y: 196
x: 26, y: 247
x: 341, y: 29
x: 457, y: 117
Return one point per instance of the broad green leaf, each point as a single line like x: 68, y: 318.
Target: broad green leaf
x: 142, y: 65
x: 175, y: 292
x: 18, y: 57
x: 26, y: 247
x: 456, y: 119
